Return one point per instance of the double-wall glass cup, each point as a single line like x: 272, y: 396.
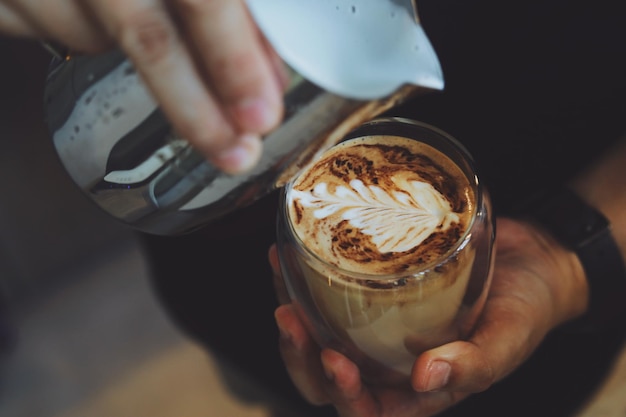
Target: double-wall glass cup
x: 385, y: 244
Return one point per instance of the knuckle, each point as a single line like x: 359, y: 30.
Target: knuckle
x: 485, y: 378
x: 147, y: 35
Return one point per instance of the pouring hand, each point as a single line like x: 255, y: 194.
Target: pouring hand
x: 205, y: 62
x: 536, y: 286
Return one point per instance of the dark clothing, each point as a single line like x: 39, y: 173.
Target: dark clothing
x: 535, y: 90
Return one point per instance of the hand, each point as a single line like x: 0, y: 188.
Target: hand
x: 536, y: 286
x: 205, y: 62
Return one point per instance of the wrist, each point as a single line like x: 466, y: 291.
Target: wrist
x: 586, y: 233
x: 567, y: 281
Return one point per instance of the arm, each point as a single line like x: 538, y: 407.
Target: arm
x: 603, y: 186
x: 587, y: 218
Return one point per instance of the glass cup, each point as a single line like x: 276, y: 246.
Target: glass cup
x: 385, y: 244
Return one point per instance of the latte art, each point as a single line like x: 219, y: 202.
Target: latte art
x: 397, y: 220
x: 381, y: 204
x: 385, y: 246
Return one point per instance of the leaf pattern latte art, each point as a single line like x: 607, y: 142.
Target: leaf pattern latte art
x: 397, y: 221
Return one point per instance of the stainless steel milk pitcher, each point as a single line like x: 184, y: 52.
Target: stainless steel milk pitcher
x: 120, y: 150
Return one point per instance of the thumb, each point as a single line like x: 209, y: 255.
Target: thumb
x: 497, y: 347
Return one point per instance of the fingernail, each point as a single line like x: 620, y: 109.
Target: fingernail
x: 256, y: 114
x: 241, y: 157
x: 439, y: 375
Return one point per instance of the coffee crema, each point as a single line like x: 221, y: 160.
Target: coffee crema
x: 381, y: 205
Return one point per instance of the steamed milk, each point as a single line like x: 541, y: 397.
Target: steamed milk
x: 385, y: 219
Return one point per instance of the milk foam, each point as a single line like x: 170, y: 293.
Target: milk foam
x: 397, y: 220
x: 380, y: 205
x: 400, y: 212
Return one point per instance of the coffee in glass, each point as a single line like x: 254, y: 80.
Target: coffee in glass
x: 385, y: 243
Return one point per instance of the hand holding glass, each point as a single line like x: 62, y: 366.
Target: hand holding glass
x: 385, y: 244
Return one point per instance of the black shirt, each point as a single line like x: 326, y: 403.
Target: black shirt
x: 534, y: 89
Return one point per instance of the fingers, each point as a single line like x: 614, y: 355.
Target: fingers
x: 349, y: 396
x: 233, y: 51
x: 301, y: 356
x: 146, y: 32
x: 499, y: 345
x: 458, y: 366
x: 205, y: 62
x: 279, y: 70
x: 332, y: 380
x: 352, y: 398
x: 211, y: 74
x: 299, y: 351
x: 522, y: 307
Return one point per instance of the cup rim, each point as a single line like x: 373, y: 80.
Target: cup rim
x: 423, y: 270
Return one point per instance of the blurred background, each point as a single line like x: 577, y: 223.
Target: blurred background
x: 81, y: 332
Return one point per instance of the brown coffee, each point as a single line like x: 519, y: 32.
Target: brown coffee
x: 381, y: 205
x: 384, y: 222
